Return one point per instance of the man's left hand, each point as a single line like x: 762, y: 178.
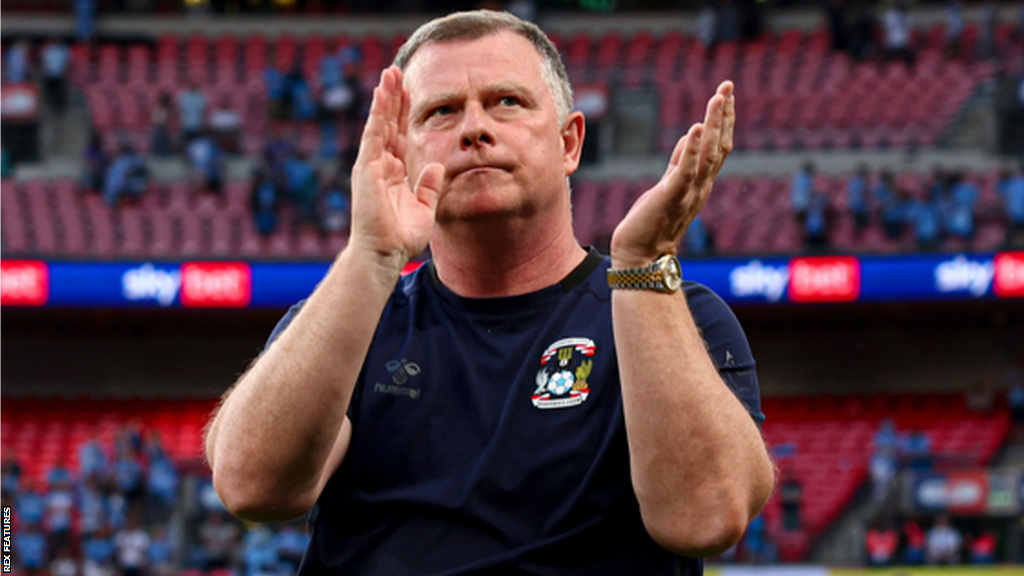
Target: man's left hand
x: 656, y: 222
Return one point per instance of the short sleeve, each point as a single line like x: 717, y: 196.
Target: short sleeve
x: 727, y: 344
x: 283, y: 323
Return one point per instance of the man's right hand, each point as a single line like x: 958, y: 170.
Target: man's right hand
x: 390, y: 220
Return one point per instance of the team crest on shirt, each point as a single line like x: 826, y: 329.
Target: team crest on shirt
x: 562, y: 380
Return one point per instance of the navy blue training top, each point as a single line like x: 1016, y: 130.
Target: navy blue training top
x: 488, y: 436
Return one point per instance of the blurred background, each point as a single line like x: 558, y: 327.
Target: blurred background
x: 175, y: 174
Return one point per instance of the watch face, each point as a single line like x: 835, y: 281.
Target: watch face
x: 673, y: 274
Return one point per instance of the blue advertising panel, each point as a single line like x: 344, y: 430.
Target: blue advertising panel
x: 804, y: 279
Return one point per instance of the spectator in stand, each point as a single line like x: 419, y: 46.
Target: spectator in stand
x: 265, y: 203
x: 30, y: 504
x: 862, y: 30
x: 924, y: 215
x: 132, y: 548
x: 161, y: 552
x: 207, y: 163
x: 126, y: 177
x: 954, y: 13
x: 226, y: 124
x: 913, y: 542
x: 117, y: 509
x: 893, y: 200
x: 983, y: 547
x: 963, y: 201
x: 699, y: 239
x: 96, y: 164
x: 92, y: 460
x: 883, y: 467
x: 707, y: 24
x: 161, y: 488
x: 836, y: 14
x: 10, y: 478
x: 219, y: 540
x: 258, y: 551
x: 55, y: 58
x: 302, y: 187
x: 730, y: 21
x: 897, y: 24
x: 128, y: 475
x: 791, y: 494
x: 291, y: 545
x: 60, y: 504
x: 191, y: 113
x: 816, y: 223
x: 30, y: 549
x: 6, y: 167
x: 98, y: 554
x: 298, y: 95
x: 336, y: 205
x: 1011, y: 189
x: 856, y: 197
x: 161, y: 145
x: 987, y: 29
x: 917, y: 451
x: 92, y: 506
x: 273, y: 83
x: 887, y: 436
x: 355, y: 115
x: 754, y: 541
x: 944, y: 542
x: 85, y: 20
x: 17, y: 65
x: 800, y: 191
x: 59, y: 473
x: 881, y: 542
x: 64, y: 564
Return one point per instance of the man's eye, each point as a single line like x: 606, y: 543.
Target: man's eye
x: 509, y: 101
x: 441, y: 111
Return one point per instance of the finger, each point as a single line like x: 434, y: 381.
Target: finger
x: 679, y: 181
x: 677, y: 153
x: 428, y: 188
x: 372, y: 143
x: 710, y: 155
x: 729, y: 125
x: 403, y: 120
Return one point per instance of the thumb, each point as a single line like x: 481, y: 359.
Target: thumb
x: 428, y: 187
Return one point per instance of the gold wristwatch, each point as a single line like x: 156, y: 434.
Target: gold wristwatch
x: 662, y: 275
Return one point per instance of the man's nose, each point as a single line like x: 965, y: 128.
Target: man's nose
x: 477, y: 129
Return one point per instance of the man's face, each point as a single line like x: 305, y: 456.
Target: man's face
x: 482, y: 109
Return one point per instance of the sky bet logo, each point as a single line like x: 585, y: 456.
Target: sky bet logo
x: 24, y: 283
x: 758, y: 279
x: 199, y: 284
x: 148, y: 282
x: 964, y: 275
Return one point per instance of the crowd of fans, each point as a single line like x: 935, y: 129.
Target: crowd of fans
x: 942, y: 543
x: 122, y: 511
x: 945, y: 207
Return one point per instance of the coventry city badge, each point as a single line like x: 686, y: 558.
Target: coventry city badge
x: 564, y: 370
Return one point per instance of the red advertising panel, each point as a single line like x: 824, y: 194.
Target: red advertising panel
x: 216, y: 284
x: 19, y: 102
x: 1009, y: 275
x: 824, y: 279
x: 24, y: 283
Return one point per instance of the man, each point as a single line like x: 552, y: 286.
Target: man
x: 502, y: 409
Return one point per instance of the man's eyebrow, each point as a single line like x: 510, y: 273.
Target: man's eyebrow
x: 434, y: 99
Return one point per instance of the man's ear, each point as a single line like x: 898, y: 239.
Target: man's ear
x: 573, y: 130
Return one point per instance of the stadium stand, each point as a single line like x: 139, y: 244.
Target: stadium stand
x: 830, y: 441
x: 749, y: 215
x: 796, y: 93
